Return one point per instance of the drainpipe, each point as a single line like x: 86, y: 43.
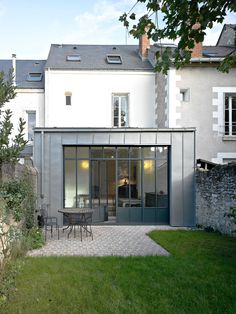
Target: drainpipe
x: 14, y: 68
x: 42, y: 169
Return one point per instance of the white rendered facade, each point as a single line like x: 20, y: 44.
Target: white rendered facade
x: 91, y: 97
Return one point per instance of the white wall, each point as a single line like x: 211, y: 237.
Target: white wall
x: 92, y: 98
x: 27, y: 100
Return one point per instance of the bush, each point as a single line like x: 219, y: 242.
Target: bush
x: 34, y: 238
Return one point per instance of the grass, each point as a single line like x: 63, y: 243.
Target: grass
x: 199, y: 277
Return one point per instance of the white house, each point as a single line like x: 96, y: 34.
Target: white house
x: 113, y: 135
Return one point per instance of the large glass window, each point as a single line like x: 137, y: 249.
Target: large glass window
x: 131, y: 180
x: 120, y: 110
x: 230, y: 114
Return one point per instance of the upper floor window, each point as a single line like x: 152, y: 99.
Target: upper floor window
x: 184, y: 95
x: 73, y: 58
x: 230, y: 114
x: 34, y: 77
x: 68, y: 98
x: 31, y: 124
x: 120, y: 110
x: 114, y: 59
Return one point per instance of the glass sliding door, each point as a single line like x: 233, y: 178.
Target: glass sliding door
x: 103, y: 189
x: 128, y: 182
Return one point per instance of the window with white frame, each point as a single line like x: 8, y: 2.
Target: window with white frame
x: 31, y: 124
x: 230, y: 114
x: 120, y: 110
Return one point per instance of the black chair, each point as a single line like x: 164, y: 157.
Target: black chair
x: 49, y: 222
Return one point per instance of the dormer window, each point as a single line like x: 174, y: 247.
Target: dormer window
x: 73, y: 58
x: 34, y: 77
x: 114, y: 59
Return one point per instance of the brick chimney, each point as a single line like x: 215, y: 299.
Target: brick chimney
x: 197, y: 49
x: 144, y: 45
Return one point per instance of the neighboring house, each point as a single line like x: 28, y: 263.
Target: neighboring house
x: 113, y: 135
x: 29, y: 101
x: 200, y: 96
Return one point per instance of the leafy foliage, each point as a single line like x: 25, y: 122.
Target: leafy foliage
x: 14, y: 194
x: 180, y: 18
x: 17, y: 217
x: 10, y: 148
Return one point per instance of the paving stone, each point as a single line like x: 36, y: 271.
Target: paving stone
x: 107, y: 241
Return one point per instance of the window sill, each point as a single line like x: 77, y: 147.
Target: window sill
x: 229, y: 138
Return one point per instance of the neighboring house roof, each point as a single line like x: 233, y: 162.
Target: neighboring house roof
x: 94, y: 57
x: 23, y: 69
x: 227, y: 36
x: 217, y: 51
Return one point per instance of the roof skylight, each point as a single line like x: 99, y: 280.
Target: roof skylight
x: 34, y: 77
x: 73, y: 58
x: 114, y: 59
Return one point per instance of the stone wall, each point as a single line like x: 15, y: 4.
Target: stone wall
x: 215, y: 194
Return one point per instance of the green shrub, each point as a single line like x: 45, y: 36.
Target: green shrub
x: 34, y: 238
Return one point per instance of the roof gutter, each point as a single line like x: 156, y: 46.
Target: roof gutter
x: 209, y: 60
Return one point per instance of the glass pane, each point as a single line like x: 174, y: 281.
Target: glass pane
x: 226, y: 129
x: 82, y: 152
x: 123, y: 183
x: 70, y: 152
x: 68, y: 100
x: 31, y: 125
x: 135, y: 183
x: 109, y: 152
x: 233, y: 116
x: 70, y: 183
x: 135, y: 152
x: 96, y: 152
x: 161, y: 183
x: 226, y: 102
x: 124, y: 111
x: 149, y: 183
x: 161, y: 152
x: 149, y: 152
x: 116, y: 110
x: 82, y: 183
x: 226, y: 116
x: 233, y: 102
x: 234, y: 129
x: 122, y: 152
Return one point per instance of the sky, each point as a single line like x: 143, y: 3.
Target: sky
x: 29, y: 27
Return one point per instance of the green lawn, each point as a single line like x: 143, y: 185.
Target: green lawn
x: 199, y: 277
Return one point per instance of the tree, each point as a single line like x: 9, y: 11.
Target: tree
x: 180, y: 17
x: 10, y: 148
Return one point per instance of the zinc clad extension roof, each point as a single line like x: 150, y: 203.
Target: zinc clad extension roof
x: 23, y: 68
x: 94, y: 57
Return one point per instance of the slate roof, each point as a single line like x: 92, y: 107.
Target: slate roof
x: 93, y: 57
x: 23, y: 68
x: 227, y: 35
x: 218, y: 51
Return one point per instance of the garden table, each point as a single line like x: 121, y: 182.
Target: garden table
x: 81, y: 217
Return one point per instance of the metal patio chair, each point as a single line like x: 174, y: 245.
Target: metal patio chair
x: 49, y: 222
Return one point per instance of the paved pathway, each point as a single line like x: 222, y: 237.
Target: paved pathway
x: 107, y: 241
